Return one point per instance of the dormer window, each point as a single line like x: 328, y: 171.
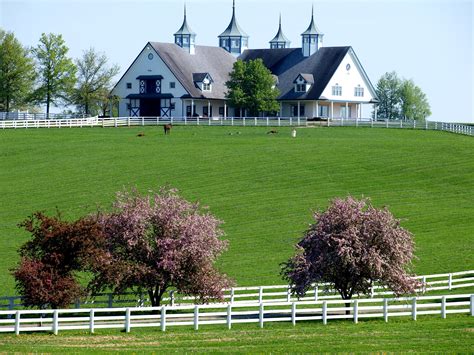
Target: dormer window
x: 303, y: 82
x: 203, y: 81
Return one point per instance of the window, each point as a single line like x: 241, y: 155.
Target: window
x: 358, y: 91
x: 129, y: 106
x: 323, y: 111
x: 337, y: 90
x: 129, y: 85
x: 300, y: 87
x: 188, y: 110
x: 206, y: 87
x: 295, y: 110
x: 172, y: 85
x: 173, y: 106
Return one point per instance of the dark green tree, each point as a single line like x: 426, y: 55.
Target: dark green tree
x: 388, y: 93
x: 401, y: 99
x: 57, y: 72
x: 17, y: 73
x: 414, y: 104
x: 94, y: 81
x: 252, y: 88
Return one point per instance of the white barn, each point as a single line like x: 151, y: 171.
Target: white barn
x: 183, y: 79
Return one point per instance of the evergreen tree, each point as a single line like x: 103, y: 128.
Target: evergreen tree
x: 388, y: 93
x: 16, y: 73
x: 57, y: 72
x: 252, y: 88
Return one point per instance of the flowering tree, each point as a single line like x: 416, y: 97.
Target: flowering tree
x: 350, y: 246
x: 46, y: 274
x: 153, y: 244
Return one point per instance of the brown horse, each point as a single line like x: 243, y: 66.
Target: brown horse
x: 167, y: 128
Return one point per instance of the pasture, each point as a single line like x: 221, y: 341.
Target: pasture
x: 263, y: 186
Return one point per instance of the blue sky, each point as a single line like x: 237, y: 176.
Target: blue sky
x: 430, y: 42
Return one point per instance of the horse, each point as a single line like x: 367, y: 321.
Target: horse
x: 167, y: 128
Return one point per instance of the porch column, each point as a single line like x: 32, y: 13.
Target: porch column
x: 332, y: 110
x: 317, y: 108
x: 298, y: 110
x: 347, y: 110
x: 225, y: 110
x: 192, y: 107
x: 208, y: 108
x: 375, y: 111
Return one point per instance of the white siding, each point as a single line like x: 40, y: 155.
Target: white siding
x: 348, y: 80
x: 145, y: 66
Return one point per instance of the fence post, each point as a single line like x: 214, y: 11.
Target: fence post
x: 325, y: 312
x: 267, y: 121
x: 127, y: 320
x: 385, y: 309
x: 255, y: 118
x: 197, y: 120
x: 163, y: 318
x: 426, y: 124
x: 260, y: 294
x: 196, y: 317
x: 413, y: 308
x: 386, y: 123
x: 288, y: 294
x: 232, y: 295
x: 143, y: 121
x: 401, y: 123
x: 450, y: 281
x: 298, y: 121
x: 372, y: 291
x: 293, y: 313
x: 232, y: 121
x: 260, y: 315
x: 243, y: 120
x: 279, y: 121
x: 414, y: 124
x: 436, y: 125
x: 55, y: 322
x: 17, y: 322
x: 172, y: 298
x: 356, y: 311
x: 209, y: 123
x: 115, y: 122
x: 316, y: 293
x: 424, y: 285
x: 443, y: 307
x: 229, y: 316
x: 185, y: 120
x: 91, y: 321
x: 472, y: 306
x: 291, y: 121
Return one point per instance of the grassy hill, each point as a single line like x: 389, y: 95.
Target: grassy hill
x: 263, y: 186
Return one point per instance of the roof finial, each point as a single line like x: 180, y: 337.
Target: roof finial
x: 280, y: 19
x: 233, y: 7
x: 185, y: 11
x: 312, y: 12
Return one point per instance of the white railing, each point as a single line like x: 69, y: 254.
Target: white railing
x: 234, y: 121
x: 38, y: 116
x: 264, y: 294
x: 198, y: 315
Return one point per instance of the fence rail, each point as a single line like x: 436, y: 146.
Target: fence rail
x: 262, y: 294
x: 261, y: 313
x: 232, y: 121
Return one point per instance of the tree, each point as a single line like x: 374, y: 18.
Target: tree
x: 401, y: 98
x: 47, y: 272
x: 56, y: 71
x: 388, y: 93
x: 252, y: 87
x: 153, y: 244
x: 414, y: 103
x: 94, y: 81
x: 350, y: 246
x: 17, y: 73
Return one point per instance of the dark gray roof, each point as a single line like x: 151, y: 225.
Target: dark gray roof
x: 312, y: 28
x: 233, y: 30
x: 185, y: 29
x: 213, y: 60
x: 199, y: 77
x: 280, y: 37
x: 288, y: 63
x: 309, y: 78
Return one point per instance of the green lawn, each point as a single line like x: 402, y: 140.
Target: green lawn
x: 427, y: 334
x: 263, y: 186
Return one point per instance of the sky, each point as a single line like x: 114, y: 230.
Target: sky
x: 430, y: 42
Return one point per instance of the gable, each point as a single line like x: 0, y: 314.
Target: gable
x: 349, y: 75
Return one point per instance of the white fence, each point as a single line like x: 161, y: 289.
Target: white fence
x: 231, y: 121
x: 265, y: 294
x: 198, y: 315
